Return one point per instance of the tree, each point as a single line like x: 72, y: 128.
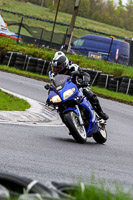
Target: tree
x: 43, y: 3
x: 67, y: 6
x: 97, y: 8
x: 120, y: 15
x: 84, y: 8
x: 129, y: 16
x: 109, y: 13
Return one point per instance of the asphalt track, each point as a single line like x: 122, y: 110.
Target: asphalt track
x: 48, y: 153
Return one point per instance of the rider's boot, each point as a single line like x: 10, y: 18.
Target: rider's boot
x: 100, y: 112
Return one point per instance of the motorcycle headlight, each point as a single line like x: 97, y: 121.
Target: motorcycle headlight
x: 68, y: 93
x: 56, y: 99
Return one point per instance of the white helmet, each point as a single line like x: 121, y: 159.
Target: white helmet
x: 60, y: 62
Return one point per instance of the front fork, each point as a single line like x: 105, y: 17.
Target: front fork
x: 80, y: 117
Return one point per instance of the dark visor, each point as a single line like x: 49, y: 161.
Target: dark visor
x: 57, y: 69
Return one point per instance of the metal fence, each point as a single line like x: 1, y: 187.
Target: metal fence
x: 37, y: 35
x: 36, y: 30
x: 40, y: 28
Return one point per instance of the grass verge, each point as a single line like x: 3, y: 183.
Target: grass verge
x: 115, y: 96
x: 9, y: 102
x: 91, y: 192
x: 120, y: 97
x: 13, y: 70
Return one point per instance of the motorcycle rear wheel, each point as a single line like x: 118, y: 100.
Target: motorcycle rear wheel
x: 77, y: 131
x: 101, y: 136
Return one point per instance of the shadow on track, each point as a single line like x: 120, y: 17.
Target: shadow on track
x: 69, y: 140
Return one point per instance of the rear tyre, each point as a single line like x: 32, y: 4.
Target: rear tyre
x: 101, y: 136
x: 77, y: 131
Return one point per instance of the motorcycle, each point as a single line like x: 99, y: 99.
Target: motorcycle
x: 75, y: 110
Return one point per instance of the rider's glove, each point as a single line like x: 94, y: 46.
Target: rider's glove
x: 47, y: 86
x: 52, y: 75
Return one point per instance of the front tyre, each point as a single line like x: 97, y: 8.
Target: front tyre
x: 77, y: 131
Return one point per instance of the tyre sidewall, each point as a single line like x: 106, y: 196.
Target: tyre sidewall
x: 72, y: 127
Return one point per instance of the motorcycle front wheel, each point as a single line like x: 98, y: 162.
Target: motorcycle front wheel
x: 76, y: 129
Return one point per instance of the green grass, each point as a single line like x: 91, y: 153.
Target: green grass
x: 91, y: 192
x: 21, y: 72
x: 98, y: 190
x: 113, y: 95
x: 45, y: 13
x: 9, y: 102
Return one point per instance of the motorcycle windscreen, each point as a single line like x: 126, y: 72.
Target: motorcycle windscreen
x: 60, y: 80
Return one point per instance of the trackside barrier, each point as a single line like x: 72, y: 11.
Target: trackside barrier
x: 129, y: 83
x: 126, y: 85
x: 103, y: 80
x: 25, y: 62
x: 37, y: 65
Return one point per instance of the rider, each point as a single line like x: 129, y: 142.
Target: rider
x: 62, y: 65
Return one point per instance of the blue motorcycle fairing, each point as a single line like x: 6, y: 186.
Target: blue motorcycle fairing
x: 92, y: 127
x: 60, y: 92
x: 51, y: 94
x: 80, y: 100
x: 72, y: 109
x: 67, y: 87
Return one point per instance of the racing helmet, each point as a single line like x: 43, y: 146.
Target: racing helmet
x: 60, y: 63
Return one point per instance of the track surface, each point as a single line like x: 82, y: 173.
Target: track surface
x: 49, y: 153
